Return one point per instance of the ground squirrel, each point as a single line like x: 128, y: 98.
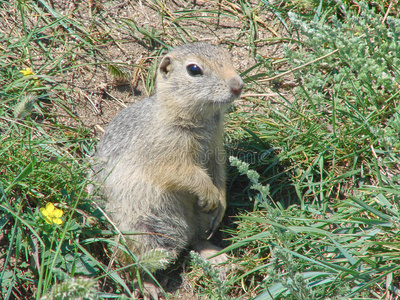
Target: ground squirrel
x: 162, y: 162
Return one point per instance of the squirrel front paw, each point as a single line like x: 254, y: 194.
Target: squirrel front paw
x: 210, y: 201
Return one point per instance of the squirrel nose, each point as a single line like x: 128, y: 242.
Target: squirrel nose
x: 236, y: 85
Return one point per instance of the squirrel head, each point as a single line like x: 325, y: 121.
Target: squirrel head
x: 198, y: 77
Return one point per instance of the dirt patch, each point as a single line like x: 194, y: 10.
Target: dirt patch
x: 116, y: 64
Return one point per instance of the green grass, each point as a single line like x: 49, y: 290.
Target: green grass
x: 314, y: 208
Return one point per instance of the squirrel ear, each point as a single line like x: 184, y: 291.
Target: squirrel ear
x: 165, y: 65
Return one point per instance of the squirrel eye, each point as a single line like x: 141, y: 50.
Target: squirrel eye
x: 194, y: 70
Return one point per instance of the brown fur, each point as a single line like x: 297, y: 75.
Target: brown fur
x: 162, y: 161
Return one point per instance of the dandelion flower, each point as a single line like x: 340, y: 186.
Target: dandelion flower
x: 52, y: 214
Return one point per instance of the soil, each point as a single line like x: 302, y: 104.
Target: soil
x: 96, y: 95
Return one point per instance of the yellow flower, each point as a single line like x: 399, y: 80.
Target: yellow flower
x: 28, y: 72
x: 52, y: 214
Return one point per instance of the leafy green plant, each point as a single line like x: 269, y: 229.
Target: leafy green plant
x: 208, y: 278
x: 305, y: 252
